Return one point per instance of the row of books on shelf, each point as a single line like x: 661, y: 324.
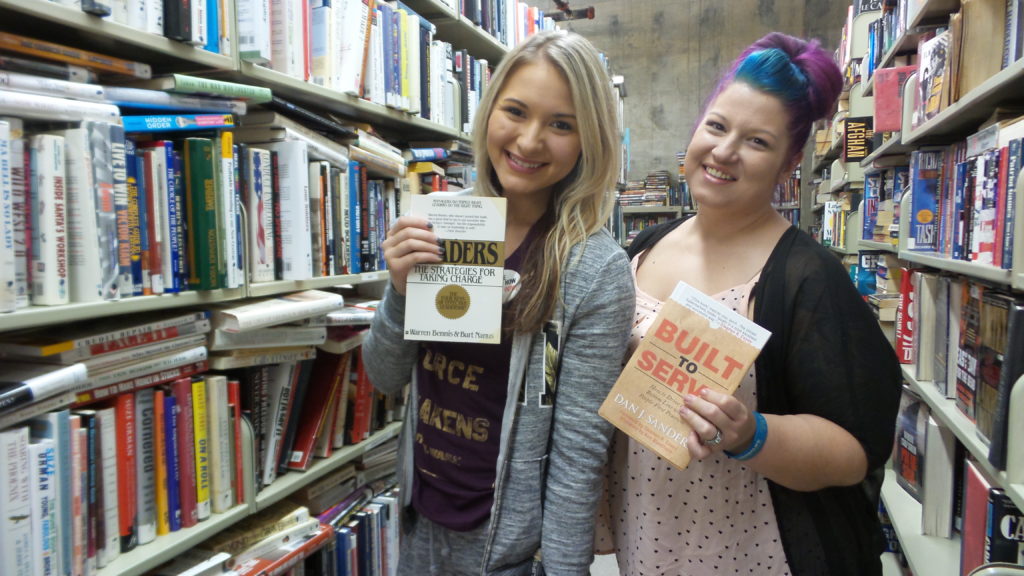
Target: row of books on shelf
x: 357, y: 534
x: 98, y: 213
x: 172, y: 450
x: 202, y: 24
x: 963, y: 196
x: 967, y: 339
x: 883, y: 189
x: 954, y: 53
x: 956, y: 496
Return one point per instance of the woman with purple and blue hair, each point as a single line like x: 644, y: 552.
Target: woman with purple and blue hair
x: 785, y: 472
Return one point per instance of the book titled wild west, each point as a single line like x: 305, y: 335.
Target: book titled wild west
x: 459, y: 299
x: 695, y: 342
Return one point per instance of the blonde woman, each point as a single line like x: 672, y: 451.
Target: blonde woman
x: 528, y: 478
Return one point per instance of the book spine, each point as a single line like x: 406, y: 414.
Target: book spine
x: 238, y: 482
x: 16, y: 544
x: 261, y: 215
x: 219, y: 433
x: 152, y: 100
x: 57, y: 70
x: 40, y: 107
x: 21, y: 206
x: 228, y: 211
x: 140, y: 382
x: 49, y: 217
x: 293, y: 193
x: 56, y: 426
x: 109, y: 548
x: 188, y: 84
x: 138, y: 248
x: 188, y: 484
x: 119, y: 182
x: 145, y: 465
x: 92, y: 498
x: 201, y: 444
x: 173, y: 457
x: 84, y: 267
x: 153, y: 191
x: 79, y: 487
x: 31, y: 84
x: 355, y: 216
x: 8, y: 258
x: 124, y: 373
x: 105, y: 205
x: 202, y: 214
x: 160, y: 489
x: 42, y: 494
x: 126, y: 479
x: 176, y: 122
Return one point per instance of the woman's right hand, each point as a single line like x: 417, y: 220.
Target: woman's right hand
x: 410, y: 241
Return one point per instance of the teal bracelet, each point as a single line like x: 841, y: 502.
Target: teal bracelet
x: 760, y: 435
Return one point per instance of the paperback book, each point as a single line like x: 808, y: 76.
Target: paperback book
x: 459, y: 299
x: 695, y: 342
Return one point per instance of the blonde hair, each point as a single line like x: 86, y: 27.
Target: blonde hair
x: 581, y: 203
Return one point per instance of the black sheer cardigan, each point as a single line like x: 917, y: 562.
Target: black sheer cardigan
x: 827, y: 356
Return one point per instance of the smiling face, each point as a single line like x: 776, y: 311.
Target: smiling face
x: 740, y: 150
x: 533, y: 135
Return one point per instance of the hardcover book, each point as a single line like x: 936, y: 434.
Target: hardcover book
x: 695, y: 342
x: 459, y: 299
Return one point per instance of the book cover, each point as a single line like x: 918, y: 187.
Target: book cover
x: 459, y: 300
x: 1004, y: 539
x: 1012, y: 369
x: 933, y: 79
x: 888, y: 97
x: 968, y: 350
x: 975, y: 517
x: 694, y: 342
x: 992, y: 353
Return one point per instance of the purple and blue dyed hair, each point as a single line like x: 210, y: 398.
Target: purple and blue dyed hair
x: 798, y: 72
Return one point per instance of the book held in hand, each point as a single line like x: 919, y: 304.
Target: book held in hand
x: 695, y: 342
x: 459, y: 299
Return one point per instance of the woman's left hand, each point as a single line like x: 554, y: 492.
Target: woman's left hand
x: 718, y: 421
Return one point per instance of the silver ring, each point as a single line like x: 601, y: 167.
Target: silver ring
x: 716, y: 440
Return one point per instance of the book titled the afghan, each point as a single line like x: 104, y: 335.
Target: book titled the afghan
x: 695, y: 342
x: 459, y: 299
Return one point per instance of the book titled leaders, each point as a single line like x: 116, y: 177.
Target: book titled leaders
x: 459, y: 300
x: 695, y: 342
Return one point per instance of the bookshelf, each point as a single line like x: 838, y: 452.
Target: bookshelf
x: 949, y: 127
x: 69, y: 25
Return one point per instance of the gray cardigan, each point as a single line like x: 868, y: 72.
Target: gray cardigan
x: 595, y: 318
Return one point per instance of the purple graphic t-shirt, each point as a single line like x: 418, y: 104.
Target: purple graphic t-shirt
x: 462, y: 392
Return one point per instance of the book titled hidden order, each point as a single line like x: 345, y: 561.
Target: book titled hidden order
x: 459, y: 299
x: 695, y: 342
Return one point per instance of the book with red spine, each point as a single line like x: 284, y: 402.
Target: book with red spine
x: 124, y: 408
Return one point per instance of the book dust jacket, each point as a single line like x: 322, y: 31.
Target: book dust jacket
x: 694, y: 342
x: 460, y: 299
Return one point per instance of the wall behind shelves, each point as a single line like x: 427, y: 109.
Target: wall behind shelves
x: 671, y: 52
